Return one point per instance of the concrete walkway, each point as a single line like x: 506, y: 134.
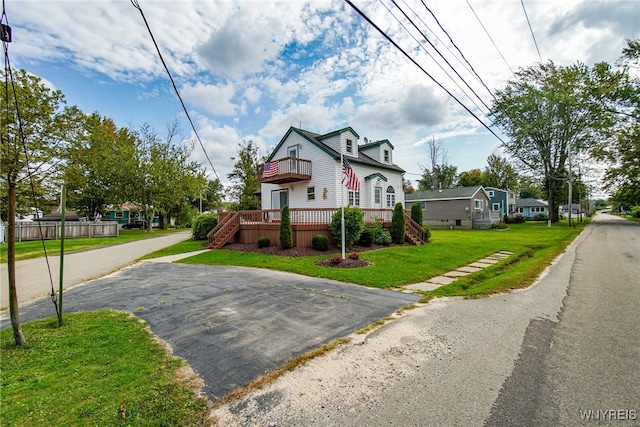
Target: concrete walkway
x: 33, y: 280
x: 451, y: 276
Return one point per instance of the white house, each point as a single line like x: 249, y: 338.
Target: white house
x: 305, y: 171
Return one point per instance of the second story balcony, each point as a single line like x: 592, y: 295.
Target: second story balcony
x: 282, y: 171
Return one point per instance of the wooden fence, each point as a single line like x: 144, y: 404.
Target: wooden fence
x: 51, y: 230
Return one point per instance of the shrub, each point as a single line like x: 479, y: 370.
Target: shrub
x: 416, y: 213
x: 336, y: 260
x: 383, y: 238
x: 353, y: 225
x: 635, y: 212
x: 515, y: 219
x: 320, y: 242
x: 427, y: 232
x: 264, y: 242
x: 286, y: 239
x: 499, y: 226
x: 398, y: 225
x: 202, y: 225
x: 540, y: 217
x: 366, y: 237
x: 354, y: 256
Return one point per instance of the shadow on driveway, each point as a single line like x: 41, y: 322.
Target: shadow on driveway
x: 231, y: 324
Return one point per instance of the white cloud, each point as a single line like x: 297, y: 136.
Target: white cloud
x: 214, y: 99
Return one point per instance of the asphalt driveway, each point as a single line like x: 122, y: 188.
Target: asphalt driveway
x: 231, y: 324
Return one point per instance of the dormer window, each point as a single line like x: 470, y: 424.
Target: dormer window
x: 387, y: 156
x: 349, y: 146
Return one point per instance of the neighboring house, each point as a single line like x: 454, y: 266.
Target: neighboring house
x: 529, y: 208
x: 501, y: 201
x: 575, y: 209
x: 304, y: 171
x: 127, y: 213
x: 462, y: 207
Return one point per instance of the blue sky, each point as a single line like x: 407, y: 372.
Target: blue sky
x: 247, y: 70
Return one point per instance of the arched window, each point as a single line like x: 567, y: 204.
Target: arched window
x: 391, y: 197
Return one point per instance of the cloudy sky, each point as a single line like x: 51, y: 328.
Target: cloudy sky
x: 247, y: 70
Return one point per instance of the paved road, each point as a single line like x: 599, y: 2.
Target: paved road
x: 534, y: 357
x: 33, y: 280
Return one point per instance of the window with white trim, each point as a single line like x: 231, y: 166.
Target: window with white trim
x: 349, y: 146
x: 311, y: 193
x: 387, y: 156
x: 378, y: 195
x: 491, y: 193
x: 496, y: 207
x: 354, y: 198
x: 391, y: 197
x: 478, y: 204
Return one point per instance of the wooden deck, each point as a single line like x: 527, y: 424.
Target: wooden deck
x: 249, y: 226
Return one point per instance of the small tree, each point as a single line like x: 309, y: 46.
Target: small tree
x: 353, y: 225
x: 398, y: 224
x: 416, y: 213
x: 285, y: 229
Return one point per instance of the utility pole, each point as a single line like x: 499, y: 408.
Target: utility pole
x: 570, y: 182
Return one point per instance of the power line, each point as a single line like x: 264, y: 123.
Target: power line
x: 458, y: 49
x: 490, y: 38
x: 531, y: 29
x: 443, y: 58
x: 175, y: 88
x: 390, y: 40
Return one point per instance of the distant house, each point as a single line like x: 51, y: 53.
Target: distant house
x: 529, y: 208
x: 462, y: 207
x: 127, y: 213
x: 575, y: 209
x: 304, y: 171
x: 501, y: 201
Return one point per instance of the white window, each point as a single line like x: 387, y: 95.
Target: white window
x: 520, y: 210
x: 478, y: 204
x: 293, y: 151
x: 496, y: 207
x: 423, y: 205
x: 391, y: 197
x: 354, y: 198
x: 387, y: 156
x: 311, y: 193
x: 378, y: 196
x: 491, y: 194
x: 349, y: 146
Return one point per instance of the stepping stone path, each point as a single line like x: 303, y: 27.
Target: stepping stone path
x: 451, y: 276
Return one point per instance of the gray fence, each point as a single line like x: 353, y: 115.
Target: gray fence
x: 51, y: 230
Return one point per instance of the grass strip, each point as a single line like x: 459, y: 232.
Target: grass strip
x: 100, y: 368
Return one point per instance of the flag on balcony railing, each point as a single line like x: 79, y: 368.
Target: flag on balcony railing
x: 270, y: 169
x: 349, y: 176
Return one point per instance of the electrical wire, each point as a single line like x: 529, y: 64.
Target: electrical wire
x: 175, y: 88
x: 531, y: 29
x: 490, y: 38
x: 390, y: 40
x: 443, y: 58
x: 8, y: 79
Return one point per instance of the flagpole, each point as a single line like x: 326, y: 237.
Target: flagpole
x: 342, y: 200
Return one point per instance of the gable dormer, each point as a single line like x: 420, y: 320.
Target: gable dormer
x: 382, y: 151
x: 343, y: 140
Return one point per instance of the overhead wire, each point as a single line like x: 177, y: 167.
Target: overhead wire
x: 489, y: 35
x: 9, y: 80
x: 390, y: 40
x: 443, y: 58
x: 136, y: 4
x: 531, y: 29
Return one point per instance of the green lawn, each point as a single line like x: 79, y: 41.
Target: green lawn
x: 100, y: 369
x: 534, y: 246
x: 34, y: 249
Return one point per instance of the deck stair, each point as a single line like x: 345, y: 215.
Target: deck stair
x: 224, y: 231
x: 414, y: 233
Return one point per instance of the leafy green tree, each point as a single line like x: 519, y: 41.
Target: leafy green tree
x: 244, y: 177
x: 471, y: 178
x: 34, y: 128
x: 212, y: 196
x: 549, y: 112
x: 353, y: 225
x: 499, y: 173
x: 286, y: 234
x: 398, y: 224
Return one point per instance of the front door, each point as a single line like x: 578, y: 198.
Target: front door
x: 279, y: 199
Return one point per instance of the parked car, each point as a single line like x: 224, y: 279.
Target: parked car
x: 135, y: 224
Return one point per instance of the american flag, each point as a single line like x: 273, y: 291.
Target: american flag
x: 350, y: 176
x: 270, y: 169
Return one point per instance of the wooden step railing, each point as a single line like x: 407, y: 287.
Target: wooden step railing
x: 224, y: 231
x: 414, y: 233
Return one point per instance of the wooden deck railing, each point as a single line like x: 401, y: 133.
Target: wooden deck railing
x: 289, y: 169
x: 307, y: 216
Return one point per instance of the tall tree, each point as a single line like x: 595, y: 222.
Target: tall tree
x: 244, y: 177
x: 499, y: 173
x: 471, y: 178
x: 549, y: 113
x: 34, y: 126
x: 432, y: 173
